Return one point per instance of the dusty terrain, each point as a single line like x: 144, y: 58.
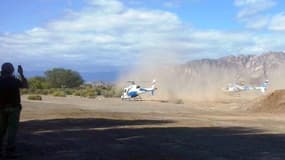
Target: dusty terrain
x: 111, y: 129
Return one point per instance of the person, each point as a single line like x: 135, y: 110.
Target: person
x: 10, y: 107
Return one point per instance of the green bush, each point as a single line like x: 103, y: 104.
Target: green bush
x: 40, y: 91
x: 38, y: 83
x: 77, y: 93
x: 24, y: 91
x: 44, y: 92
x: 83, y: 91
x: 36, y: 91
x: 63, y: 78
x: 52, y: 91
x: 108, y: 93
x: 69, y: 91
x: 59, y: 94
x: 88, y: 93
x: 35, y: 97
x: 112, y: 92
x: 98, y: 91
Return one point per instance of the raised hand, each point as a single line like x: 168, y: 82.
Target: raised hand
x: 20, y: 70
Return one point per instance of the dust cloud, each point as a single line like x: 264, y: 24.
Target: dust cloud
x: 276, y: 78
x: 202, y: 81
x: 176, y: 81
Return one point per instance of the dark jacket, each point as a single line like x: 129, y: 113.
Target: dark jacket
x: 10, y: 91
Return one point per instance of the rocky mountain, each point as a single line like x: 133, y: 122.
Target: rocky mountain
x: 249, y: 68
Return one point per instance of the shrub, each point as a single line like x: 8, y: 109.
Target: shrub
x: 63, y: 78
x: 24, y: 91
x: 52, y: 91
x: 59, y: 94
x: 112, y: 92
x: 35, y: 97
x: 38, y: 83
x: 36, y: 91
x: 91, y: 94
x: 88, y: 93
x: 109, y: 93
x: 77, y: 93
x: 85, y: 90
x: 69, y: 91
x: 44, y: 91
x: 98, y: 91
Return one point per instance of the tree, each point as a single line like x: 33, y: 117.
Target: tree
x: 60, y: 77
x: 38, y: 83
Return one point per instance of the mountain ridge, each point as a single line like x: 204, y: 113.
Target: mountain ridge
x: 251, y: 68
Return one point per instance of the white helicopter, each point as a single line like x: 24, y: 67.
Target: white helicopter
x: 233, y: 87
x: 134, y: 91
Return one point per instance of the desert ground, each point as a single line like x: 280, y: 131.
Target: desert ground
x: 110, y: 129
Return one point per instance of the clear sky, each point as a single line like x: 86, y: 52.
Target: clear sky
x: 100, y: 35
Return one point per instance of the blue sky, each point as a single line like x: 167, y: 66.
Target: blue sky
x: 107, y: 35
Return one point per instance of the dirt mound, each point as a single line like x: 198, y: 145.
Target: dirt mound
x: 274, y: 102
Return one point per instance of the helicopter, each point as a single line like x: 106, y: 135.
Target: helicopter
x: 133, y: 91
x: 233, y: 87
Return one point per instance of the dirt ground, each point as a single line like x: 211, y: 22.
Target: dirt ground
x: 111, y: 129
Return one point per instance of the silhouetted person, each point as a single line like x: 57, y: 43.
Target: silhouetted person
x: 10, y: 107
